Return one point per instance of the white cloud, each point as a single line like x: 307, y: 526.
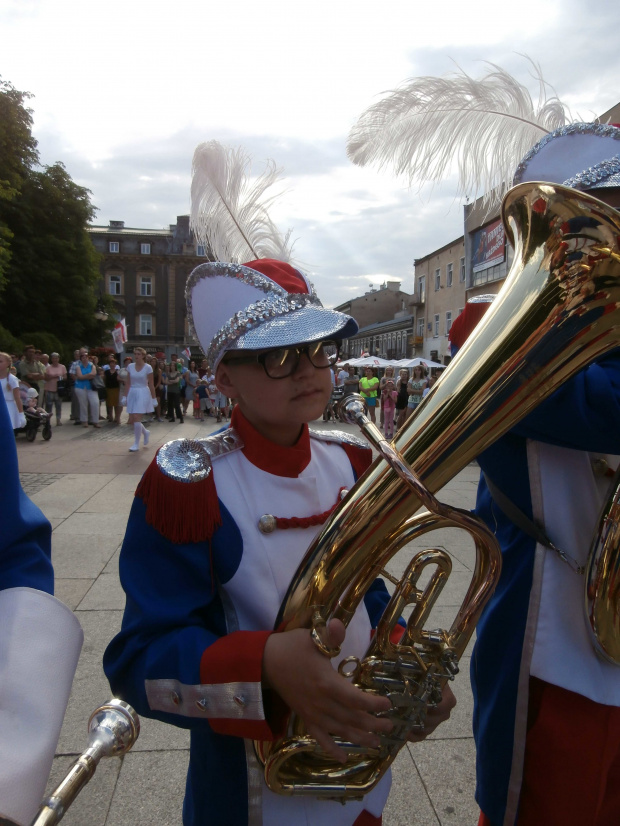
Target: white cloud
x: 125, y: 91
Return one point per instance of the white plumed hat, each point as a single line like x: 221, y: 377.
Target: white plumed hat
x: 258, y: 305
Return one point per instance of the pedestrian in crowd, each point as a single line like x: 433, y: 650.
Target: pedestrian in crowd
x: 30, y: 370
x: 172, y: 381
x: 113, y: 404
x: 160, y: 391
x: 388, y: 375
x: 140, y: 396
x: 88, y: 399
x: 10, y: 391
x: 191, y: 377
x: 351, y: 381
x: 202, y: 391
x: 54, y: 373
x: 75, y: 403
x: 99, y: 384
x: 342, y: 374
x: 45, y: 360
x: 369, y: 390
x: 546, y: 705
x: 203, y: 370
x: 156, y: 365
x: 388, y: 397
x: 431, y: 381
x: 180, y: 565
x: 416, y: 386
x: 213, y: 395
x: 402, y: 399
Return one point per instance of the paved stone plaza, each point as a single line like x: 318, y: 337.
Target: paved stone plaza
x: 84, y: 482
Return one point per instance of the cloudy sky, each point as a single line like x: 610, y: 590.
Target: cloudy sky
x: 124, y: 91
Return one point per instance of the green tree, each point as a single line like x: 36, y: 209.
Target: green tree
x: 49, y: 269
x: 54, y: 270
x: 18, y: 154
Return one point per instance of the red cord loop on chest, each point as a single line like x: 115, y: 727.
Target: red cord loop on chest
x: 283, y: 523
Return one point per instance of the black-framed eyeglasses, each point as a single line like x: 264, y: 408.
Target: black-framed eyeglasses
x: 281, y: 362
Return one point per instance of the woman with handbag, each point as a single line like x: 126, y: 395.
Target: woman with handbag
x: 55, y: 380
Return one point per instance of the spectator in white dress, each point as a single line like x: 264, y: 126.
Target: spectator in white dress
x: 140, y: 396
x: 10, y: 391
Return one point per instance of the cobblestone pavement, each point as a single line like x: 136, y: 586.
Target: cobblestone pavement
x: 34, y: 482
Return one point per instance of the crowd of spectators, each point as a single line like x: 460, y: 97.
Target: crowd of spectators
x: 88, y: 386
x: 394, y: 397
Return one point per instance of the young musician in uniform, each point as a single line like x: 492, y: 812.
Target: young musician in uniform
x: 546, y: 705
x: 205, y: 567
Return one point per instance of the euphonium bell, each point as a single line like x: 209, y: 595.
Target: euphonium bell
x: 556, y: 313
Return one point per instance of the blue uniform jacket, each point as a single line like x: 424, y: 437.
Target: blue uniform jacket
x: 583, y: 414
x: 25, y: 536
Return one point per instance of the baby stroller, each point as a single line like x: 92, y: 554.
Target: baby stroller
x: 35, y: 417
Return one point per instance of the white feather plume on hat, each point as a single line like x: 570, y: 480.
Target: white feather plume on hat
x: 267, y: 302
x: 486, y: 126
x: 230, y: 210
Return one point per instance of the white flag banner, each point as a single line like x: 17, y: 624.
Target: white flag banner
x: 117, y: 338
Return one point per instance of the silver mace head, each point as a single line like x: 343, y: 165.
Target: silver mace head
x: 113, y: 728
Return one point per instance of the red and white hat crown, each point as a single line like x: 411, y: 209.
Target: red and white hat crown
x: 258, y: 305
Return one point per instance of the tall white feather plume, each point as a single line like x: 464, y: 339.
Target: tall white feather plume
x: 483, y: 126
x: 230, y: 211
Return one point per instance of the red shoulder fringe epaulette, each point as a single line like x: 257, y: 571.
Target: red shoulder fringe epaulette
x: 179, y: 491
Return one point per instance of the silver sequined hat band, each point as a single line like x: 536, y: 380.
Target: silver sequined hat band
x: 231, y: 306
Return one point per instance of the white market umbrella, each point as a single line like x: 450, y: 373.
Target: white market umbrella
x: 410, y: 363
x: 370, y: 361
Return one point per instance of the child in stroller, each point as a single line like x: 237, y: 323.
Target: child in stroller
x: 35, y: 416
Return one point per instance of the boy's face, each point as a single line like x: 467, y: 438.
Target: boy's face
x: 276, y: 407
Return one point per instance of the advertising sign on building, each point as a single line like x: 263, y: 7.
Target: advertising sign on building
x: 489, y: 246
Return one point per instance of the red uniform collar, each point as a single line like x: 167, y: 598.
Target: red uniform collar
x: 268, y: 456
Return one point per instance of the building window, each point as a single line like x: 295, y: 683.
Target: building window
x: 448, y: 321
x: 200, y: 250
x: 436, y: 331
x: 145, y: 249
x: 422, y: 288
x: 437, y: 279
x: 146, y: 325
x: 114, y: 246
x: 449, y: 275
x: 421, y: 328
x: 146, y: 285
x: 115, y: 284
x: 462, y: 271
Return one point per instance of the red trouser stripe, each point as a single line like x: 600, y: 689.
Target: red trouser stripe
x: 571, y: 775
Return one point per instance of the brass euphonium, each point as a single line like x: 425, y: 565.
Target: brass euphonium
x: 555, y: 314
